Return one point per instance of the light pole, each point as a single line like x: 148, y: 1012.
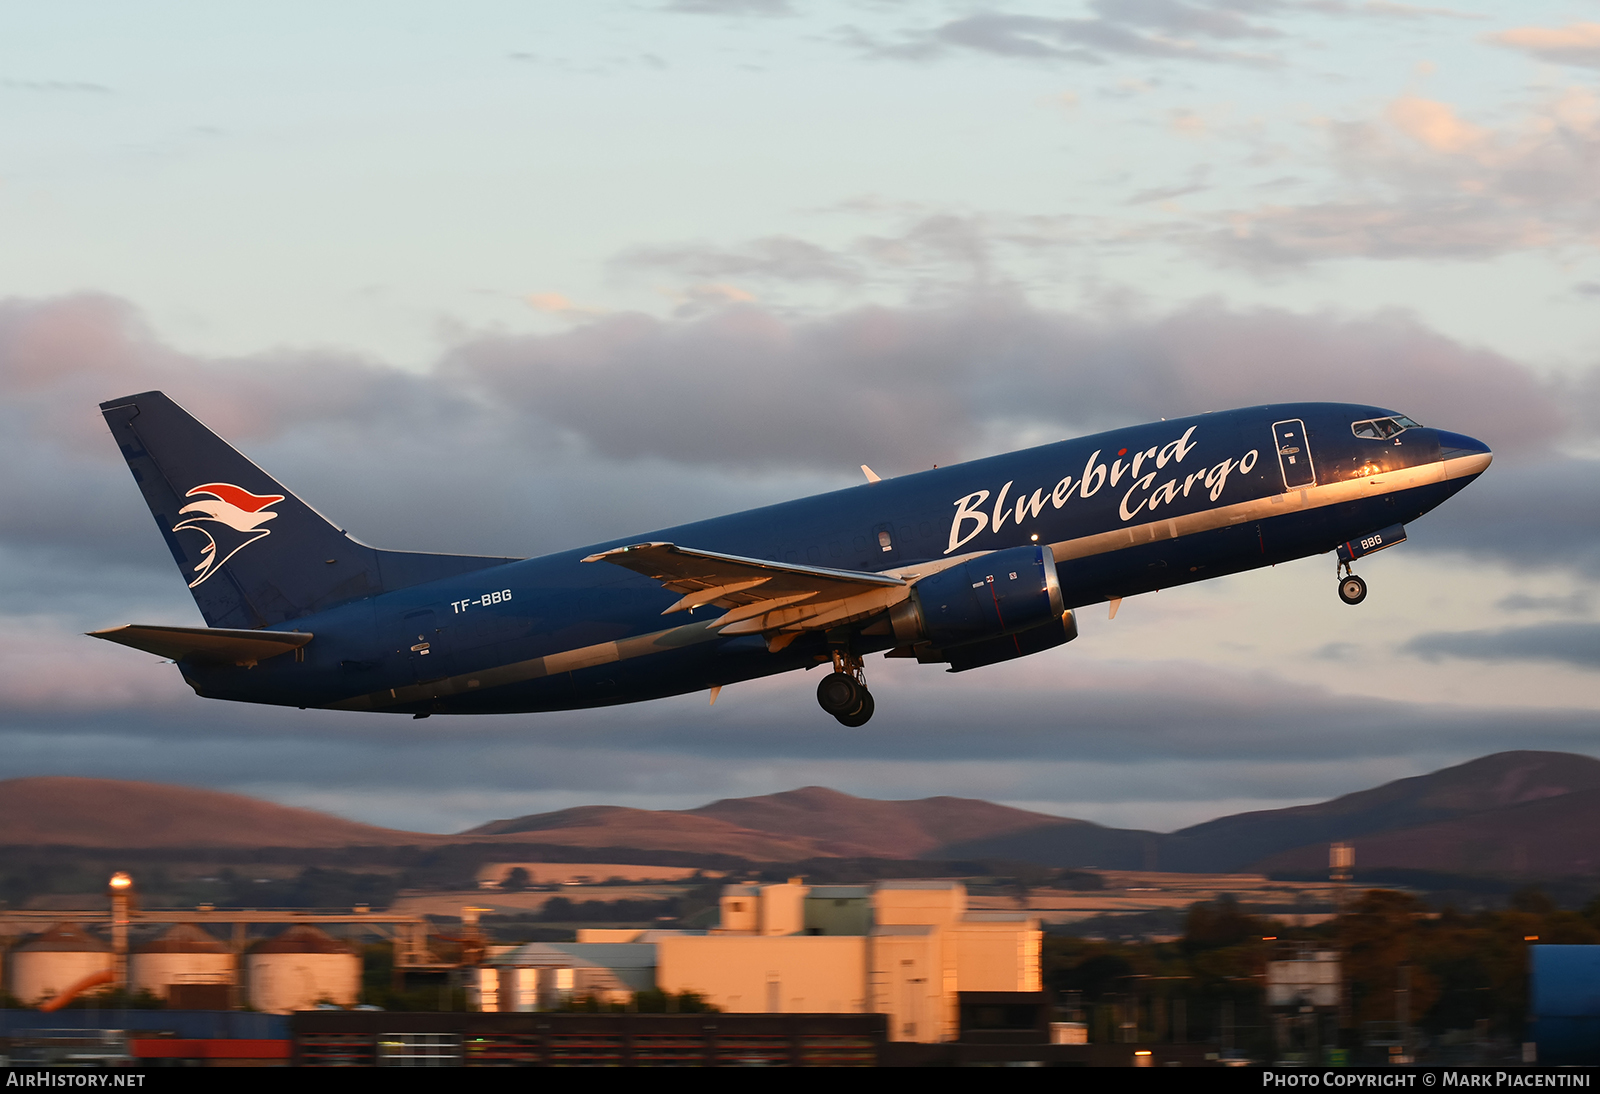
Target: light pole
x: 1341, y: 868
x: 121, y: 886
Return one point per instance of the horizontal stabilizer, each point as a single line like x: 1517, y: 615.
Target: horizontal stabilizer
x: 206, y: 645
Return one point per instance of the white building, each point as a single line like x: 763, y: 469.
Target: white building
x: 901, y: 948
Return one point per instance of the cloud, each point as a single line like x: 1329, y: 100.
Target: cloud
x: 583, y: 433
x: 554, y: 303
x: 1384, y: 9
x: 1150, y: 30
x: 1175, y: 27
x: 730, y: 7
x: 1195, y: 734
x: 1174, y: 17
x: 1423, y: 182
x: 1563, y: 643
x: 928, y: 386
x: 1434, y: 124
x: 926, y: 255
x: 1574, y: 44
x: 1541, y: 514
x: 1576, y: 603
x: 782, y: 258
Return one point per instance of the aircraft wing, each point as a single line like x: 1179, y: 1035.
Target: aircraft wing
x: 761, y: 596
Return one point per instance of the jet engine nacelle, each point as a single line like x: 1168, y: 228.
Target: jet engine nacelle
x: 994, y: 650
x: 1001, y: 605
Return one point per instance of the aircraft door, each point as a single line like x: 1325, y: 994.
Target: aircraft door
x: 422, y: 646
x: 884, y: 545
x: 1294, y: 454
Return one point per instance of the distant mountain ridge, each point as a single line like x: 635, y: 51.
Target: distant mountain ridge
x: 615, y: 826
x: 890, y: 829
x: 1490, y: 784
x: 811, y: 822
x: 1427, y: 814
x: 79, y: 812
x: 1511, y: 813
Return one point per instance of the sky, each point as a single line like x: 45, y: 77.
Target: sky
x: 518, y: 277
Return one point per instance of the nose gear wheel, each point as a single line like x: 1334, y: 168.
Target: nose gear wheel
x: 1352, y: 590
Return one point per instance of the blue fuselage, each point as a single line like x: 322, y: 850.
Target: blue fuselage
x: 1125, y: 512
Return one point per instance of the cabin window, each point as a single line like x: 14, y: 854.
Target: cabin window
x: 884, y: 542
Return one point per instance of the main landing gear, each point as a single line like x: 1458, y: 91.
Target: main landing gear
x: 843, y: 692
x: 1352, y: 590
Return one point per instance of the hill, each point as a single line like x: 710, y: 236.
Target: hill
x: 1512, y: 814
x: 74, y: 812
x: 1551, y: 837
x: 612, y: 826
x: 1426, y: 822
x: 884, y: 829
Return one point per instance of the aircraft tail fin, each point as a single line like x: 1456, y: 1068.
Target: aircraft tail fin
x: 252, y: 553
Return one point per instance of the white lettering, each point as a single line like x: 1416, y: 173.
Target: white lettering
x: 970, y: 519
x: 1000, y: 513
x: 967, y: 509
x: 1063, y: 491
x: 1029, y: 507
x: 1163, y: 494
x: 1217, y: 477
x: 1144, y: 483
x: 1176, y: 450
x: 1095, y: 471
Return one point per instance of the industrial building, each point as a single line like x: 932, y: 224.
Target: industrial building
x: 904, y: 949
x: 48, y: 959
x: 897, y: 973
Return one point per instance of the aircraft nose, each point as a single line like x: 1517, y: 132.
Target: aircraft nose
x: 1465, y: 457
x: 1456, y: 445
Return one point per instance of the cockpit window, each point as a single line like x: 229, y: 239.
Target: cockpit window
x: 1378, y: 429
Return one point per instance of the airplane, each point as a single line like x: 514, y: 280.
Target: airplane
x: 963, y: 566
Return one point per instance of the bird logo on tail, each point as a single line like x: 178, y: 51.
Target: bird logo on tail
x: 230, y: 518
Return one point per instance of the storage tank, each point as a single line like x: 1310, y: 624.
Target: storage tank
x: 51, y: 963
x: 299, y: 969
x: 185, y: 955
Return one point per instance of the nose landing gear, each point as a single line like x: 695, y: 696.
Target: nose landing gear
x: 1352, y: 590
x: 843, y: 692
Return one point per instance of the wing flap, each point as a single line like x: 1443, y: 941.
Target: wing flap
x: 760, y: 595
x: 720, y: 595
x: 206, y: 645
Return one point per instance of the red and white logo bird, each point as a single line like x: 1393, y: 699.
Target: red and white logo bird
x: 230, y: 517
